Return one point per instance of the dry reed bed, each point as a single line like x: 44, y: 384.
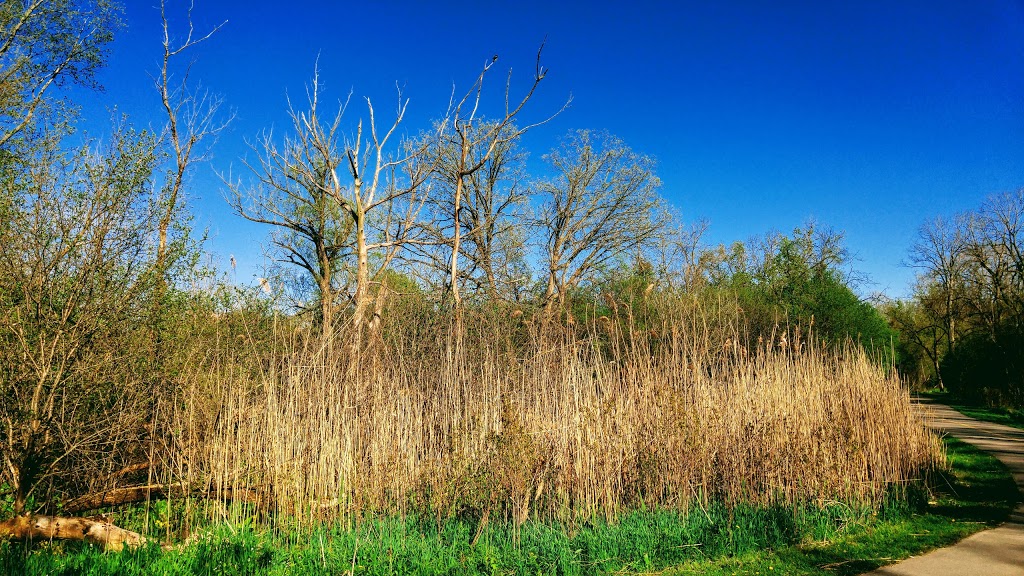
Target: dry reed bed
x: 554, y: 427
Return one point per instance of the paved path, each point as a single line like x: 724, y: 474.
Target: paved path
x: 995, y: 552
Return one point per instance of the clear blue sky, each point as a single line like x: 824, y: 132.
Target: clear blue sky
x: 869, y: 117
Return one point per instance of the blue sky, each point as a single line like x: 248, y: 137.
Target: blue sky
x: 869, y: 117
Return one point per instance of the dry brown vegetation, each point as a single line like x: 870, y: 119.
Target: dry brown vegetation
x: 500, y: 417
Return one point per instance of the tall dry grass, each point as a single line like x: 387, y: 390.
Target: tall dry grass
x: 508, y: 418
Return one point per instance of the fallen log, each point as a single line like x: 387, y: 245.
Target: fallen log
x: 134, y: 494
x: 100, y: 531
x: 38, y: 527
x: 129, y: 469
x: 115, y: 497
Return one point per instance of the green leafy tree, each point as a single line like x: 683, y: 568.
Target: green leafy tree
x: 46, y: 44
x: 799, y: 280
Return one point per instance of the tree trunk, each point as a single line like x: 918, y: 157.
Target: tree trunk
x: 552, y: 292
x: 936, y: 360
x: 57, y: 528
x: 326, y: 295
x: 362, y: 295
x: 378, y: 309
x: 950, y: 321
x: 457, y: 234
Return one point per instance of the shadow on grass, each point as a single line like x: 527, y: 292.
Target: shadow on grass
x: 978, y: 492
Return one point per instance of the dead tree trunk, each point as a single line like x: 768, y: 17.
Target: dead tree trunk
x: 57, y: 528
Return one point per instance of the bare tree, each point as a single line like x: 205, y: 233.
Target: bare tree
x: 679, y: 252
x: 939, y: 252
x: 1006, y: 225
x: 1003, y: 222
x: 471, y: 145
x: 603, y: 204
x: 322, y: 222
x: 386, y: 195
x: 993, y: 279
x: 493, y: 206
x: 970, y: 295
x: 193, y: 125
x: 986, y: 274
x: 295, y: 195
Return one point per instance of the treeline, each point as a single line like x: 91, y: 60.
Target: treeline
x: 963, y: 329
x: 120, y: 352
x: 454, y: 217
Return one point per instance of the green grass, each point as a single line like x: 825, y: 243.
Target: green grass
x: 808, y: 540
x: 1007, y: 416
x: 977, y: 493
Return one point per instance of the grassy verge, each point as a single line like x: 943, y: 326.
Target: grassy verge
x: 978, y: 492
x: 1006, y: 416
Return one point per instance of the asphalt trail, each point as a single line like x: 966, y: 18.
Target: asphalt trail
x: 995, y: 552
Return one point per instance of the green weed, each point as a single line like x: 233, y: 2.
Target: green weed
x: 828, y: 538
